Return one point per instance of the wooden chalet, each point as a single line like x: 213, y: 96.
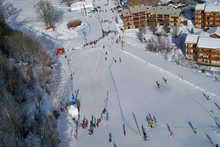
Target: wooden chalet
x: 203, y: 50
x: 207, y: 15
x: 142, y: 15
x: 191, y: 46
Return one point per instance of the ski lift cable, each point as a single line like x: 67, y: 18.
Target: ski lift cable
x: 124, y: 121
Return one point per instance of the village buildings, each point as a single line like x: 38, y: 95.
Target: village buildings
x: 139, y: 16
x: 204, y: 49
x: 207, y: 15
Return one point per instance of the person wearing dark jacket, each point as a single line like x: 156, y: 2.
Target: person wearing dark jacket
x: 110, y: 137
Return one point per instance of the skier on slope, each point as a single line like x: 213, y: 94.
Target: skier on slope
x: 155, y: 121
x: 124, y: 130
x: 158, y: 84
x: 110, y: 137
x: 114, y: 60
x: 144, y: 133
x: 114, y: 145
x: 94, y: 123
x: 85, y: 123
x: 78, y: 104
x: 107, y: 116
x: 91, y: 130
x: 98, y: 122
x: 71, y: 76
x: 120, y: 59
x: 165, y: 80
x: 206, y: 96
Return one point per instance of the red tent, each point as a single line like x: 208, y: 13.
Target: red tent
x: 60, y: 51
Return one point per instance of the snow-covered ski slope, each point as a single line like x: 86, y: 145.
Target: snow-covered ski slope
x: 174, y: 103
x: 131, y: 87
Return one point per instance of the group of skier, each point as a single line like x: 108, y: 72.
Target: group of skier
x: 113, y: 58
x: 94, y: 122
x: 110, y: 139
x: 159, y: 84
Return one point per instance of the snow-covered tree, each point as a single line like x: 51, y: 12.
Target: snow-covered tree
x: 47, y: 13
x: 68, y: 2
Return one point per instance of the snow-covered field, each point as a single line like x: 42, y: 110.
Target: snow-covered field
x: 130, y: 84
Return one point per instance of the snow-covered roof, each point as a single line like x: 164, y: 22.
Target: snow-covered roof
x: 192, y: 39
x: 214, y: 30
x: 208, y: 7
x: 169, y: 10
x: 200, y: 7
x: 208, y: 42
x: 212, y: 8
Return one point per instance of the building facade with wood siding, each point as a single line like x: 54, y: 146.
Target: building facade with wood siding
x: 203, y: 50
x: 207, y: 15
x: 141, y: 15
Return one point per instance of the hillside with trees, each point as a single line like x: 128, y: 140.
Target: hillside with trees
x: 25, y: 74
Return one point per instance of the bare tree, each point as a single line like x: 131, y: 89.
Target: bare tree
x: 6, y: 10
x: 140, y: 34
x: 159, y: 44
x: 152, y: 45
x: 47, y: 13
